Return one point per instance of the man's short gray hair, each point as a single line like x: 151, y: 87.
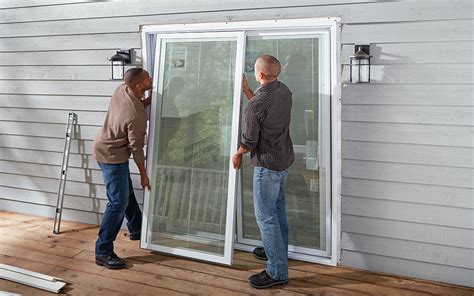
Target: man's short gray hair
x: 133, y: 76
x: 269, y: 65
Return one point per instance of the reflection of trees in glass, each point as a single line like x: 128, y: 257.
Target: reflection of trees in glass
x: 204, y: 104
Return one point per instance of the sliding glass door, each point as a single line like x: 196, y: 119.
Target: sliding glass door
x: 191, y: 208
x: 199, y: 206
x: 304, y: 57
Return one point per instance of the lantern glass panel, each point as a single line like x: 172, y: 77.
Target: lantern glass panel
x: 360, y: 70
x: 364, y: 71
x: 117, y: 70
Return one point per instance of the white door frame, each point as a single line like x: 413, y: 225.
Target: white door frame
x: 333, y: 26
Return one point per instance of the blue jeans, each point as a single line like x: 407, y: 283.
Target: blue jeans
x: 270, y: 212
x: 122, y: 203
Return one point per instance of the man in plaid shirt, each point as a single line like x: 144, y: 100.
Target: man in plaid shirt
x: 267, y: 138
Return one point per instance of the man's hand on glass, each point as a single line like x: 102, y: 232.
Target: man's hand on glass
x: 246, y: 89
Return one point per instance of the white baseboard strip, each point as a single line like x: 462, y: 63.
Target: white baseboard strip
x: 5, y: 293
x: 30, y: 278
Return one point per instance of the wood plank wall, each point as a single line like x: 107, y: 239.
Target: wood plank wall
x: 407, y: 168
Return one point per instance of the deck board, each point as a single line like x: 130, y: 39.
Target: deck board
x: 27, y: 242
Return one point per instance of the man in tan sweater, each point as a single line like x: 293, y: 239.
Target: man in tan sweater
x: 123, y: 133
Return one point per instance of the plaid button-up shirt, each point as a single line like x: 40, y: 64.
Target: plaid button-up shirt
x: 267, y: 123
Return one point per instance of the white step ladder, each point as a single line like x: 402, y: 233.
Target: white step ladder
x: 71, y: 121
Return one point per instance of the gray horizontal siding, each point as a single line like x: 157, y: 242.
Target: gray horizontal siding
x: 407, y: 53
x: 446, y: 115
x: 9, y: 4
x: 72, y: 42
x: 48, y: 211
x: 408, y: 267
x: 53, y: 130
x: 50, y: 185
x: 447, y: 30
x: 409, y: 153
x: 418, y: 73
x: 408, y: 94
x: 407, y: 147
x: 78, y: 147
x: 137, y: 7
x: 409, y: 192
x: 355, y: 11
x: 84, y: 88
x: 32, y: 161
x: 89, y: 72
x: 88, y: 176
x: 56, y: 57
x: 58, y: 102
x: 428, y: 31
x: 412, y: 250
x: 440, y: 52
x: 92, y: 204
x: 409, y: 173
x: 408, y: 211
x: 410, y: 133
x: 409, y: 231
x: 50, y: 116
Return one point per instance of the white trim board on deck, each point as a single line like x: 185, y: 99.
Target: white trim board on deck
x: 30, y: 278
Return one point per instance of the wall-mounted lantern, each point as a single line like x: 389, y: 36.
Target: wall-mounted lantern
x: 118, y: 62
x: 360, y: 64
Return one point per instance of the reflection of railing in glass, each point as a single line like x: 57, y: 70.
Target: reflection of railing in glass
x: 190, y: 200
x: 201, y: 213
x: 302, y: 203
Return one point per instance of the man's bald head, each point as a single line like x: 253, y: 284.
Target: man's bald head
x: 268, y: 65
x: 133, y: 76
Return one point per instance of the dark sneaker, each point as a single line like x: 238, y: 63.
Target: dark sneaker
x: 263, y: 280
x: 135, y: 236
x: 259, y: 253
x: 111, y: 261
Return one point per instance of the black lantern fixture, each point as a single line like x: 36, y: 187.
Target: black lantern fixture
x: 118, y: 62
x: 360, y: 64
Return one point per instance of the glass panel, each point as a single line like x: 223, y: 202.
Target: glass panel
x: 305, y: 190
x: 188, y: 203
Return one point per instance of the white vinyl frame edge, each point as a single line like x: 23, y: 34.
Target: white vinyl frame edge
x: 336, y: 140
x: 333, y: 24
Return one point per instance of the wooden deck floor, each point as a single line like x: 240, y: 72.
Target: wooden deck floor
x: 27, y: 242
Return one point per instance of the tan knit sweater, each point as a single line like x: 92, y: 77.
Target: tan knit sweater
x: 124, y: 129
